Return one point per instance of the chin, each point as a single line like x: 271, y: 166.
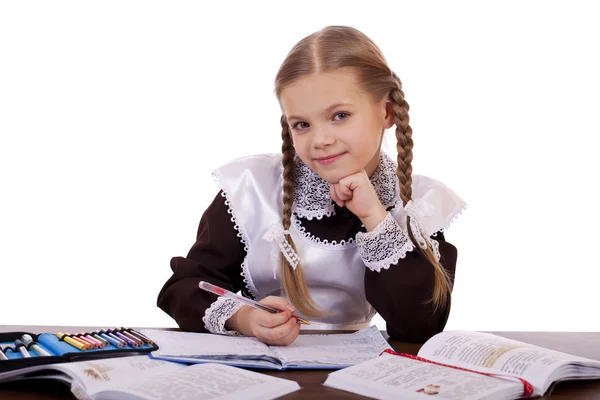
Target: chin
x: 331, y: 176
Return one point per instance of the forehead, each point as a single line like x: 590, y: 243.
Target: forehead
x: 311, y: 94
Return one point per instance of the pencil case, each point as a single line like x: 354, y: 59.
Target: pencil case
x: 60, y: 347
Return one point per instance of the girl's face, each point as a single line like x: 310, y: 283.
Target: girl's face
x: 336, y: 127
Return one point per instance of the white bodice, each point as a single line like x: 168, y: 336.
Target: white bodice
x: 334, y: 272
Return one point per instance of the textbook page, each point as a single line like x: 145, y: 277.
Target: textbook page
x: 490, y: 353
x: 192, y: 347
x: 333, y: 349
x: 204, y: 381
x: 393, y: 377
x: 93, y: 376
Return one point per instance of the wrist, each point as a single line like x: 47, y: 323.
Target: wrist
x: 239, y: 321
x: 374, y: 218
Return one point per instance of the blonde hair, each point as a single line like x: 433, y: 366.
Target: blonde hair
x: 327, y: 50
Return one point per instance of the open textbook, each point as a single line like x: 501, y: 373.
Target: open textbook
x: 142, y: 378
x: 465, y: 365
x: 318, y: 351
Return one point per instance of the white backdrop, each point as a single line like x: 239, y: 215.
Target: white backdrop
x: 113, y: 115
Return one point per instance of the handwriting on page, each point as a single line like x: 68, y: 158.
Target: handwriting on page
x: 200, y: 344
x: 343, y: 349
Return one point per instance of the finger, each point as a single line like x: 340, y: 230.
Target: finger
x: 346, y: 192
x: 335, y: 197
x: 266, y: 319
x: 342, y: 192
x: 290, y: 337
x: 278, y: 334
x: 277, y: 302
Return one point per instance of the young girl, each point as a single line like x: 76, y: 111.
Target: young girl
x: 332, y: 229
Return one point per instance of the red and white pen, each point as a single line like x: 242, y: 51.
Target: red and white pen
x: 209, y: 287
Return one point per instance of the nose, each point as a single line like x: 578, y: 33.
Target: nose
x: 322, y: 137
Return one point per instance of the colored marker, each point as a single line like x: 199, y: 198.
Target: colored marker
x: 112, y: 341
x: 2, y: 355
x: 130, y: 336
x: 125, y: 338
x: 92, y: 345
x: 38, y: 349
x: 112, y: 335
x: 93, y: 340
x: 22, y: 349
x: 72, y: 342
x: 83, y: 342
x: 139, y: 335
x: 97, y: 337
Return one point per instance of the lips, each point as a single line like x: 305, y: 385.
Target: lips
x: 330, y: 157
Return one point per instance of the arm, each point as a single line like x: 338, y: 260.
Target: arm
x: 216, y: 257
x: 398, y: 283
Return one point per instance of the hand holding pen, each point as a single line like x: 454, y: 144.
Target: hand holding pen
x: 209, y: 287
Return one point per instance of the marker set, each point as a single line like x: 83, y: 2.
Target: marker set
x: 24, y: 349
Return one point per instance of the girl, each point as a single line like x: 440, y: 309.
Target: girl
x: 331, y: 229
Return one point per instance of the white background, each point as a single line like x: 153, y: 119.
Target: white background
x: 113, y: 115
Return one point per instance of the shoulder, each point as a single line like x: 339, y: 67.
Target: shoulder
x: 438, y: 205
x: 255, y: 173
x: 255, y: 163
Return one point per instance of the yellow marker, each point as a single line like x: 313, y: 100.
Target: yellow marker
x: 72, y: 342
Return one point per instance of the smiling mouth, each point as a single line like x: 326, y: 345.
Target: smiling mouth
x: 329, y: 159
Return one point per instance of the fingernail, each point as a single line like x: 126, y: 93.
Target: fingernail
x: 290, y: 308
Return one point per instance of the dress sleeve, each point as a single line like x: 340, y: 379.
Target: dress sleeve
x: 399, y: 292
x: 216, y: 257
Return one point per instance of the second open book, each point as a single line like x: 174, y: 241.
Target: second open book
x: 322, y: 351
x: 465, y: 365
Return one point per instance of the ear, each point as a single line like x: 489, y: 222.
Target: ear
x: 388, y: 120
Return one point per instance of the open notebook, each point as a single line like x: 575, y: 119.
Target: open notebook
x: 310, y: 351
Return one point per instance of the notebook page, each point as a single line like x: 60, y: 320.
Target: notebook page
x: 205, y: 345
x: 333, y: 349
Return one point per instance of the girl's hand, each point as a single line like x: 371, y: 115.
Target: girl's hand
x: 357, y: 194
x: 278, y: 329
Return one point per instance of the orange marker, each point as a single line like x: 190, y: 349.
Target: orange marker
x: 72, y: 342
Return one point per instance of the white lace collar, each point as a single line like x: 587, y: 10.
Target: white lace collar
x: 311, y: 192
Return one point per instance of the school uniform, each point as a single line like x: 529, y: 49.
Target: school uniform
x: 351, y: 274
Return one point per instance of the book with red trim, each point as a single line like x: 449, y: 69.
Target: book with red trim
x: 465, y: 365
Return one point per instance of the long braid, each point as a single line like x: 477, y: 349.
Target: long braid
x: 294, y: 283
x: 442, y: 283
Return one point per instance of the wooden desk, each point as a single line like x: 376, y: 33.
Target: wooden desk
x: 580, y: 344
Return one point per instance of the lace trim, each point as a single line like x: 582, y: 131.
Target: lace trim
x: 323, y: 243
x: 383, y: 246
x: 241, y: 233
x: 218, y: 313
x: 458, y: 209
x: 311, y: 192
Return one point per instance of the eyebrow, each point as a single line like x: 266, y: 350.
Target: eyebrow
x: 331, y: 107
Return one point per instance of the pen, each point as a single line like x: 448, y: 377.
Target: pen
x: 2, y: 355
x: 224, y: 292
